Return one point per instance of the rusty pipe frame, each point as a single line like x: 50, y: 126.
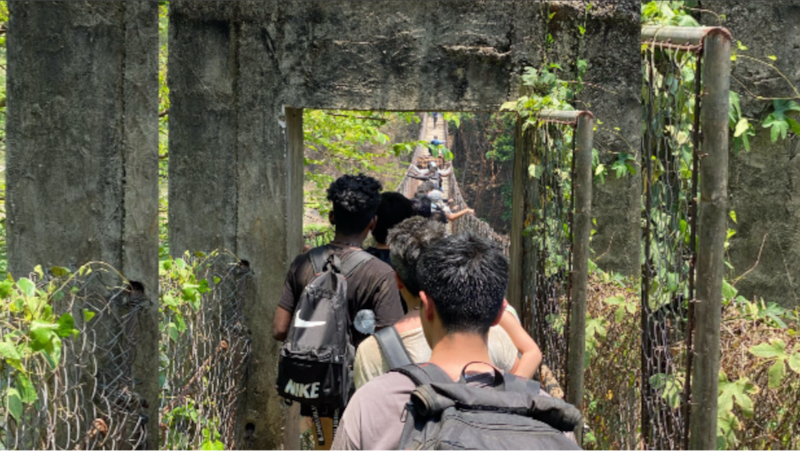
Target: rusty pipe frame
x: 564, y: 117
x: 581, y: 233
x: 682, y: 36
x: 713, y: 207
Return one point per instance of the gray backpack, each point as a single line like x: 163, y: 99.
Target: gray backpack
x: 315, y: 364
x: 443, y: 414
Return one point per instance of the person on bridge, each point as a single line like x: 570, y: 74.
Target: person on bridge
x: 439, y: 204
x: 393, y: 209
x: 462, y: 280
x: 370, y: 289
x: 436, y: 141
x: 431, y: 174
x: 407, y: 241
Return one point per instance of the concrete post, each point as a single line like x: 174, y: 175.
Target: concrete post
x: 82, y: 152
x: 236, y: 173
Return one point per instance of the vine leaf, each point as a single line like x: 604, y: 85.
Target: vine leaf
x: 774, y: 350
x: 14, y: 403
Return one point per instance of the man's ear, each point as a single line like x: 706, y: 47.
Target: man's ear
x: 373, y: 223
x: 331, y: 218
x: 428, y: 308
x: 400, y: 284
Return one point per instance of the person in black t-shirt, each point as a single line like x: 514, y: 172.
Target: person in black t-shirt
x: 371, y: 287
x: 394, y: 209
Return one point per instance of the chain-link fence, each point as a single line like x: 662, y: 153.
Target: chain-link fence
x: 204, y: 353
x: 558, y: 161
x: 672, y: 156
x: 68, y: 344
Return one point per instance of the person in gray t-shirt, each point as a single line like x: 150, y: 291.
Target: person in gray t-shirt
x: 463, y: 279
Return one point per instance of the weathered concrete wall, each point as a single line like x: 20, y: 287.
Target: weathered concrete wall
x: 233, y: 68
x: 82, y: 152
x: 764, y: 184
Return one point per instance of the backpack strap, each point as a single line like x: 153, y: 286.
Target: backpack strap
x: 392, y: 346
x: 424, y: 373
x: 318, y: 256
x: 354, y: 261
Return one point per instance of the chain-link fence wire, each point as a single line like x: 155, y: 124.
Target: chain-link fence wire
x: 204, y: 351
x: 671, y: 111
x: 547, y: 242
x: 73, y: 384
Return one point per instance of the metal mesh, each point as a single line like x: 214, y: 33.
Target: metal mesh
x: 205, y: 350
x: 547, y: 251
x: 88, y: 400
x: 670, y: 100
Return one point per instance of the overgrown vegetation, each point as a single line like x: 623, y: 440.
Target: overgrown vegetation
x: 759, y: 370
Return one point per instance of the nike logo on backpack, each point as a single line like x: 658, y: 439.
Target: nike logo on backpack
x: 299, y: 322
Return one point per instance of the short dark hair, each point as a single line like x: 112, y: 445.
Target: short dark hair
x: 407, y: 240
x: 394, y: 209
x: 422, y: 207
x: 466, y: 276
x: 355, y: 200
x: 439, y: 216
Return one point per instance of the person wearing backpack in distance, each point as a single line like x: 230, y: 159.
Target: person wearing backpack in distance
x: 457, y: 400
x: 404, y: 342
x: 393, y: 209
x: 327, y: 291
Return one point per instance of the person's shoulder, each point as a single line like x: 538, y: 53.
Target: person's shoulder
x: 391, y: 383
x: 377, y: 267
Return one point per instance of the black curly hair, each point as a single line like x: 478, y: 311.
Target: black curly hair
x: 355, y: 200
x: 394, y: 209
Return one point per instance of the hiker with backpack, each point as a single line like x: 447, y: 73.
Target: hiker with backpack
x: 334, y: 297
x: 404, y: 343
x: 393, y: 209
x: 457, y: 400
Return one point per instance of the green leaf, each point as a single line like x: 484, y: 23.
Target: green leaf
x: 793, y: 125
x: 6, y: 287
x: 772, y: 57
x: 59, y: 271
x: 9, y: 351
x: 27, y: 392
x: 776, y: 373
x: 66, y: 326
x: 728, y: 290
x: 794, y: 361
x: 88, y: 315
x: 535, y: 170
x: 172, y: 331
x: 742, y: 126
x: 776, y: 348
x: 14, y: 403
x: 27, y: 287
x: 42, y: 333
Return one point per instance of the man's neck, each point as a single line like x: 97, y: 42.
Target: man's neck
x: 454, y: 351
x: 353, y: 240
x: 381, y: 246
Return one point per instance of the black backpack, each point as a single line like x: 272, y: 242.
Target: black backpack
x: 443, y: 414
x: 315, y: 366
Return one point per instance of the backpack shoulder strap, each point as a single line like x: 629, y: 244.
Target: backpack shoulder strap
x: 392, y: 346
x: 424, y: 373
x: 318, y: 257
x: 354, y: 261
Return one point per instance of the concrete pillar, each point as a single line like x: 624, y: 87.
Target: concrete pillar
x: 82, y: 155
x: 236, y: 173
